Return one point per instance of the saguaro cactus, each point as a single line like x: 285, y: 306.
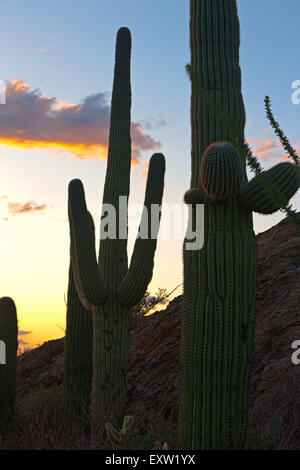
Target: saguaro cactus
x: 218, y: 321
x: 109, y: 286
x: 8, y: 337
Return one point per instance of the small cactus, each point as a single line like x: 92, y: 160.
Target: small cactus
x: 119, y: 439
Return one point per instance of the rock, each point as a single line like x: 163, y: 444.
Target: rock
x: 43, y: 366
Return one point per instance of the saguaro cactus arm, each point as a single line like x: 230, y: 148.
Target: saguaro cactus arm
x: 113, y: 262
x: 269, y: 191
x: 139, y: 274
x: 193, y: 196
x: 78, y: 364
x: 76, y: 280
x: 86, y: 271
x: 221, y: 171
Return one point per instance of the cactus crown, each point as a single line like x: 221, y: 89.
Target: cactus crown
x: 221, y: 171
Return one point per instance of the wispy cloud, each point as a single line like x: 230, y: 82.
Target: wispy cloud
x: 23, y: 333
x: 15, y: 208
x: 22, y: 342
x: 144, y: 172
x: 30, y: 120
x: 153, y: 123
x: 50, y: 44
x: 264, y: 148
x: 268, y: 149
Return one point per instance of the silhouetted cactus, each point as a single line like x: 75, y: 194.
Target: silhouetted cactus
x: 218, y: 321
x: 110, y: 287
x: 9, y: 337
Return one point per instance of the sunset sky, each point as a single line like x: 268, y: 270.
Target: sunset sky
x: 57, y: 63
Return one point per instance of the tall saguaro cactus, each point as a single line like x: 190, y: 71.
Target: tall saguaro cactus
x: 218, y: 321
x: 108, y: 286
x: 8, y: 337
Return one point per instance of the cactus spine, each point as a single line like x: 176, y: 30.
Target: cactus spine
x: 9, y: 338
x: 218, y: 322
x: 109, y: 286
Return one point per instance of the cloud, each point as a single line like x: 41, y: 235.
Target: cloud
x: 22, y: 342
x: 153, y: 123
x: 264, y: 148
x: 267, y: 130
x: 15, y: 208
x: 30, y: 120
x: 23, y: 333
x: 268, y: 149
x: 144, y: 173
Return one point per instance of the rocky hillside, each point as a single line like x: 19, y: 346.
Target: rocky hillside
x: 154, y: 367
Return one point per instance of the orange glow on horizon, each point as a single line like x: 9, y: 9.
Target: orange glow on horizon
x: 78, y: 151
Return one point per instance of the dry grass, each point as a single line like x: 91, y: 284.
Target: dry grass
x: 44, y: 420
x: 275, y: 423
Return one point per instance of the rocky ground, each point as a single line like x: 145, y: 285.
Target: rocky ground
x: 154, y: 367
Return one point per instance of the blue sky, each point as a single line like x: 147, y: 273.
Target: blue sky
x: 64, y: 51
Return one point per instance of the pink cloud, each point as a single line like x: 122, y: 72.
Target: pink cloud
x: 268, y: 149
x: 15, y: 208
